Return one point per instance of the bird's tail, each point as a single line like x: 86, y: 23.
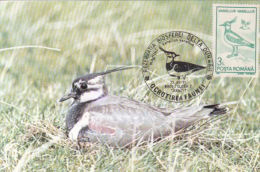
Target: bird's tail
x: 183, y: 118
x: 216, y: 110
x: 251, y: 45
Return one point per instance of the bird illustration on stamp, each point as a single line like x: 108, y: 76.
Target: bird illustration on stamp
x: 234, y: 39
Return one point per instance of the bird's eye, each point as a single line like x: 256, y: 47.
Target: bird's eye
x: 84, y: 86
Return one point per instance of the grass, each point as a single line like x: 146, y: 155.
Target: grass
x: 93, y: 36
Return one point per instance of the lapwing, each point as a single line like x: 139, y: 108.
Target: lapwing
x: 97, y: 116
x: 234, y: 39
x: 179, y: 68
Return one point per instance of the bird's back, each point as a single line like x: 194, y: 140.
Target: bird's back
x: 185, y: 67
x: 118, y: 121
x: 234, y: 39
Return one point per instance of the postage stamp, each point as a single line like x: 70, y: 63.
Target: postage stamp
x: 235, y: 40
x: 177, y: 66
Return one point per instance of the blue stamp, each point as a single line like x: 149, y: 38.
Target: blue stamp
x: 235, y: 40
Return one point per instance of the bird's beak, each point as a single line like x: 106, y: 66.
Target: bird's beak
x: 222, y: 24
x: 68, y: 96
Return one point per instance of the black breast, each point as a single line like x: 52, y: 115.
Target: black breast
x: 76, y: 111
x: 169, y: 65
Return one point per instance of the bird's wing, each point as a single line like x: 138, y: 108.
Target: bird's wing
x: 235, y: 38
x: 185, y: 66
x: 127, y: 114
x: 124, y: 118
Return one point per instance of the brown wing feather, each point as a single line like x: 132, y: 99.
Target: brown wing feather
x: 120, y: 120
x: 124, y: 119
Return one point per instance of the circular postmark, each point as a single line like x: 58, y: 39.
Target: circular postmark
x: 177, y: 66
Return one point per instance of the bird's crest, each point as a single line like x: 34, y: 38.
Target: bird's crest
x: 115, y: 70
x: 94, y: 75
x: 169, y: 54
x: 233, y: 21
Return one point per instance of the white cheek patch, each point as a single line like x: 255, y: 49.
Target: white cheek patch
x: 95, y: 80
x: 83, y: 122
x: 91, y: 95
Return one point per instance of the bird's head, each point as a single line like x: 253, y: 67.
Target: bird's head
x: 89, y: 87
x: 227, y: 24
